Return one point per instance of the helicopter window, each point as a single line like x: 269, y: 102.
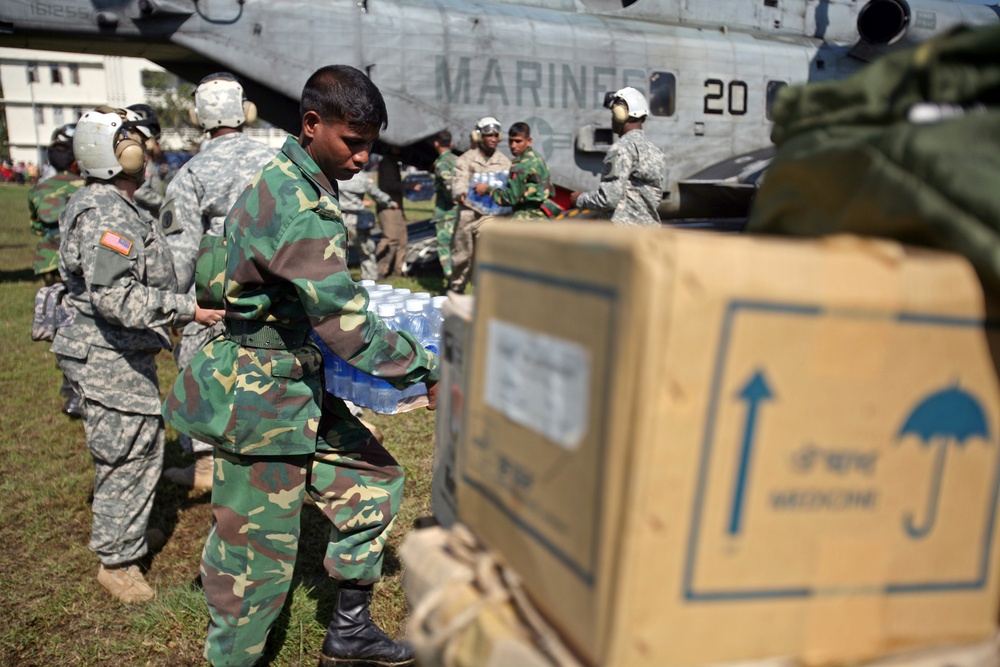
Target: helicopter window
x: 772, y: 93
x: 662, y: 93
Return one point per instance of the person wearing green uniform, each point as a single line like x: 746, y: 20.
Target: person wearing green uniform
x: 48, y: 199
x: 445, y: 212
x: 257, y: 393
x: 529, y: 186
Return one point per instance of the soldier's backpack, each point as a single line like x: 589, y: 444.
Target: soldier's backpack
x: 49, y: 313
x: 907, y: 148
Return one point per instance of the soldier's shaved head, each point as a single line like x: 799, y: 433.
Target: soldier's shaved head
x: 346, y: 94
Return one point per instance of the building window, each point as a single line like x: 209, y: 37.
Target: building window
x: 39, y: 115
x: 74, y: 74
x: 773, y: 87
x: 662, y: 93
x: 32, y: 72
x: 56, y: 73
x: 57, y: 116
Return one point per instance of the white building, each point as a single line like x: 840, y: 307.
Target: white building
x: 43, y: 90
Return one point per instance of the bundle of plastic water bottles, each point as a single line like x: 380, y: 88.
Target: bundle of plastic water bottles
x: 418, y: 313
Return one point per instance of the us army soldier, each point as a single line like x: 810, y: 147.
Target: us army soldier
x: 150, y: 194
x: 360, y: 221
x: 529, y: 188
x: 122, y: 291
x: 258, y: 392
x: 445, y: 212
x: 632, y: 182
x: 485, y: 158
x: 197, y: 201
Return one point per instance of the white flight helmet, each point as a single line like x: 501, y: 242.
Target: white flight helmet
x: 629, y: 104
x: 219, y: 102
x: 485, y: 125
x: 108, y: 142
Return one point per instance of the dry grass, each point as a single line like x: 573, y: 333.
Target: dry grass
x: 52, y: 610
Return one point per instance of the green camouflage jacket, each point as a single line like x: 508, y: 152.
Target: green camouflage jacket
x: 528, y: 188
x: 45, y: 202
x: 444, y: 171
x: 287, y: 267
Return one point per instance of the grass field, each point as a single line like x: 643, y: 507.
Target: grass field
x: 52, y: 610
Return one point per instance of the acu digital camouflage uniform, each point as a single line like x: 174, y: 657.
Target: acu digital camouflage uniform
x: 122, y: 290
x: 45, y: 202
x: 445, y: 213
x: 258, y: 393
x: 529, y: 188
x: 196, y: 203
x: 150, y: 194
x: 466, y: 228
x: 632, y: 183
x: 352, y: 205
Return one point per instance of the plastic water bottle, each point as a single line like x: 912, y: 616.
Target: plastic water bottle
x: 383, y: 396
x: 435, y: 318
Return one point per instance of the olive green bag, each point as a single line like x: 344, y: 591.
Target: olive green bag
x: 908, y: 148
x: 210, y: 272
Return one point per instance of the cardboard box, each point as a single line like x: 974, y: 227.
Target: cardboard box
x: 455, y: 335
x: 698, y: 448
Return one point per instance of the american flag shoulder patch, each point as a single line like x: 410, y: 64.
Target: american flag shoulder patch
x: 116, y: 242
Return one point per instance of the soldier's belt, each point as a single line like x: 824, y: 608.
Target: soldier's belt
x: 251, y: 333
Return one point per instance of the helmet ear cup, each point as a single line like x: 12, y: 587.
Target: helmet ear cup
x: 476, y: 136
x: 250, y: 112
x: 130, y: 155
x: 619, y: 112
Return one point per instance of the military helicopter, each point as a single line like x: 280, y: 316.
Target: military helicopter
x: 711, y: 70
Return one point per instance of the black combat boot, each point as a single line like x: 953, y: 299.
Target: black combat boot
x: 353, y: 640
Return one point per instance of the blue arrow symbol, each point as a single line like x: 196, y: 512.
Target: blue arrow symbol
x: 753, y: 393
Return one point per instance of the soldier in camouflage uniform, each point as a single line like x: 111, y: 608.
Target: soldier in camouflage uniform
x: 46, y: 202
x: 48, y: 199
x: 485, y: 158
x: 529, y: 186
x: 122, y: 292
x: 197, y: 202
x: 352, y: 206
x: 150, y: 194
x: 445, y: 213
x: 258, y: 393
x: 632, y: 182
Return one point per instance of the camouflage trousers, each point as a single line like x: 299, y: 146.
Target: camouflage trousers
x: 444, y: 223
x: 362, y: 240
x: 127, y: 450
x: 463, y: 248
x: 195, y: 337
x: 250, y: 553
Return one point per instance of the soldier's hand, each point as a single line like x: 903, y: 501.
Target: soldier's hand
x: 432, y: 396
x: 482, y: 189
x: 573, y: 196
x: 207, y: 316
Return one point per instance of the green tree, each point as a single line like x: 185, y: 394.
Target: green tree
x: 171, y: 97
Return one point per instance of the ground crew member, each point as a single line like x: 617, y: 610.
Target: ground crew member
x: 122, y: 291
x: 258, y: 392
x: 150, y: 194
x: 485, y: 158
x: 391, y: 248
x: 529, y: 186
x: 360, y: 221
x: 632, y: 182
x: 197, y: 200
x: 46, y: 202
x: 445, y: 212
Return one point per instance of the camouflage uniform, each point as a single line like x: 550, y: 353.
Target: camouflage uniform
x: 45, y: 202
x: 352, y: 200
x: 197, y: 202
x: 122, y: 290
x: 445, y: 212
x: 529, y: 187
x: 632, y: 184
x: 466, y: 228
x: 279, y: 435
x: 150, y: 194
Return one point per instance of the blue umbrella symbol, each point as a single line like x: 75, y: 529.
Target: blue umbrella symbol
x: 946, y: 415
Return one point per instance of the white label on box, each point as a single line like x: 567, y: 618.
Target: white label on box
x: 538, y: 381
